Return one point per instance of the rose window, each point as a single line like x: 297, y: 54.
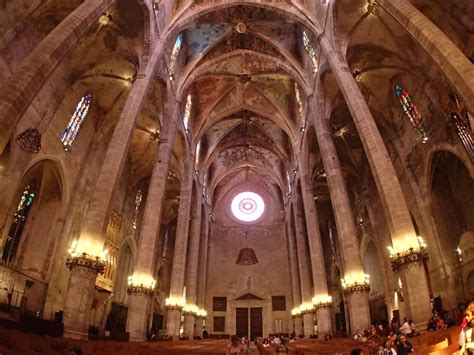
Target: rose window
x: 247, y: 206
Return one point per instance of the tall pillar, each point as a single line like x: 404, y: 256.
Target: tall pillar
x: 358, y: 302
x: 202, y: 274
x: 91, y: 240
x: 22, y: 87
x: 450, y: 59
x: 193, y: 264
x: 139, y: 298
x: 404, y: 239
x: 295, y: 278
x: 176, y: 299
x: 316, y: 251
x: 304, y: 265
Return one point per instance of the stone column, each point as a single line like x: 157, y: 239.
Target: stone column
x: 450, y: 59
x: 304, y: 265
x: 91, y: 239
x: 193, y: 263
x: 78, y: 308
x: 358, y: 303
x: 295, y: 279
x: 139, y: 300
x: 202, y: 275
x: 316, y: 249
x: 417, y: 300
x: 22, y: 87
x: 180, y: 249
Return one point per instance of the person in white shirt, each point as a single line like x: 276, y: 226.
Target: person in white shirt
x: 405, y: 329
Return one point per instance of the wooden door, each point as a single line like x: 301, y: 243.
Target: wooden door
x: 256, y: 323
x: 242, y: 321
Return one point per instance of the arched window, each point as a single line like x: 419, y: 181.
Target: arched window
x: 299, y: 104
x: 187, y: 111
x: 411, y: 111
x: 74, y: 124
x: 462, y: 122
x: 310, y: 50
x: 174, y: 54
x: 19, y: 220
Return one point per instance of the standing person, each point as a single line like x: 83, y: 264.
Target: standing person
x: 404, y: 346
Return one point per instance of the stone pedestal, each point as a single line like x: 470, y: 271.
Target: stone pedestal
x: 298, y: 326
x: 359, y: 312
x: 199, y: 328
x: 138, y: 312
x: 78, y: 305
x: 173, y: 323
x: 323, y: 317
x: 188, y: 327
x: 308, y: 323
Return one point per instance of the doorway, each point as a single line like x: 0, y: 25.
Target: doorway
x: 249, y: 318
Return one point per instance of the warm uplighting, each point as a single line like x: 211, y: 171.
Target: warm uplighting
x: 201, y: 313
x: 407, y: 251
x: 87, y: 254
x: 190, y: 309
x: 175, y: 303
x: 306, y: 308
x: 295, y: 312
x: 321, y: 301
x: 141, y: 284
x: 355, y: 282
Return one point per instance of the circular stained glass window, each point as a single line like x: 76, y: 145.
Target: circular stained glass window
x: 247, y: 206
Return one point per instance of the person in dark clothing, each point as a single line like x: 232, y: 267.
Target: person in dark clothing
x: 356, y: 351
x: 76, y: 351
x: 404, y: 347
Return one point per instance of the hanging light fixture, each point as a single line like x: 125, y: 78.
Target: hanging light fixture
x: 247, y: 255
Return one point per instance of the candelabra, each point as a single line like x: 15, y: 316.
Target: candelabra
x: 321, y: 301
x: 404, y: 258
x: 355, y: 283
x: 86, y: 256
x: 141, y: 284
x: 175, y: 303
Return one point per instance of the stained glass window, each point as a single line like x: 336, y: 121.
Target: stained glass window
x: 175, y: 53
x: 187, y: 111
x: 74, y: 124
x: 21, y: 214
x: 411, y: 111
x: 311, y: 51
x: 138, y: 202
x: 461, y: 120
x: 299, y: 103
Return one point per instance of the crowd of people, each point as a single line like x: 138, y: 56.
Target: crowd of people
x: 269, y: 345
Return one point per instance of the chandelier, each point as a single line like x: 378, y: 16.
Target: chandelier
x: 247, y: 255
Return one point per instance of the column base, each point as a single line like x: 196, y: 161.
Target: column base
x: 298, y: 326
x: 416, y: 293
x: 173, y: 323
x: 308, y: 323
x: 78, y: 304
x: 188, y: 327
x: 359, y: 311
x: 323, y: 317
x: 137, y: 318
x: 199, y: 329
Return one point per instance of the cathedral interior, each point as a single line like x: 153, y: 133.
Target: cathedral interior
x: 243, y: 167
